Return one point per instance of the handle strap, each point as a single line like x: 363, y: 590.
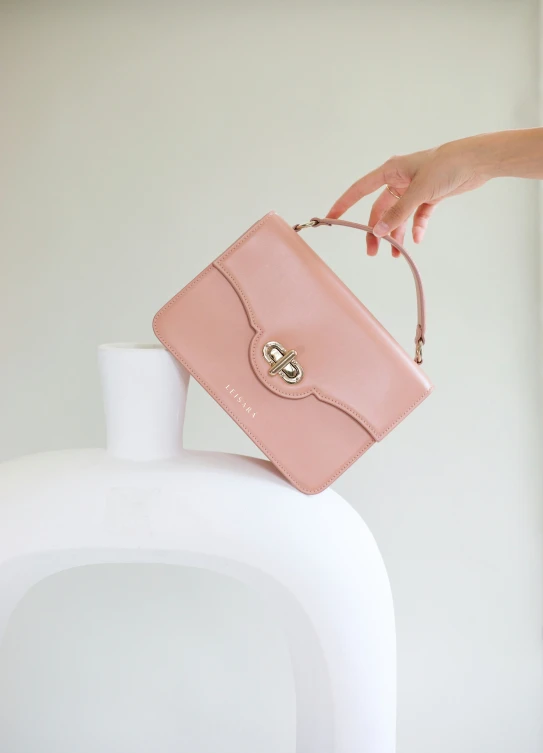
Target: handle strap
x: 421, y: 306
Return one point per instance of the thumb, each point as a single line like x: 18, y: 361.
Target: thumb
x: 400, y: 212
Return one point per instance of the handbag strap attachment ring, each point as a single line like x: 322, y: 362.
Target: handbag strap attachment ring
x: 311, y: 223
x: 418, y: 351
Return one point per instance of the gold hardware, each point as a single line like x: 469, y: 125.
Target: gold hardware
x: 282, y: 362
x: 418, y: 352
x: 311, y: 223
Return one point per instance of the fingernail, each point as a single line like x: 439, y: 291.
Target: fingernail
x: 417, y: 235
x: 381, y: 229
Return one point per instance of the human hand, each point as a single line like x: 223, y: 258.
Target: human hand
x: 422, y: 180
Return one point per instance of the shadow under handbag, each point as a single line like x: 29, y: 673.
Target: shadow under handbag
x: 290, y: 353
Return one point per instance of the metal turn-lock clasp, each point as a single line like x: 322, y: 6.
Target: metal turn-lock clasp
x: 282, y: 362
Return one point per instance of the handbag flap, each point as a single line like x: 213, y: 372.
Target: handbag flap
x: 293, y: 298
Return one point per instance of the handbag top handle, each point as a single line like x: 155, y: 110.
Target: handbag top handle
x: 421, y: 306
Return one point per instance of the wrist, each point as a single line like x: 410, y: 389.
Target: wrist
x: 499, y: 151
x: 484, y: 154
x: 512, y: 154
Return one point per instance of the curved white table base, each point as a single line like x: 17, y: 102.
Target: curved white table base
x: 312, y: 688
x: 313, y: 558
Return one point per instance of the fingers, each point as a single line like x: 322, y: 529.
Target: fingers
x: 380, y: 205
x: 398, y: 235
x: 366, y: 185
x: 401, y: 210
x: 384, y: 201
x: 420, y: 221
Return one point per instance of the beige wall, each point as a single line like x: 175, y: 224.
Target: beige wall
x: 137, y: 144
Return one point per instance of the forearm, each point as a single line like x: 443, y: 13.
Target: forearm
x: 422, y: 179
x: 513, y: 154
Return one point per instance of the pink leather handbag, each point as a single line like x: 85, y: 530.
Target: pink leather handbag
x: 279, y: 341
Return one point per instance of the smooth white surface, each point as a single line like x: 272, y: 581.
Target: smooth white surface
x: 311, y: 559
x: 145, y: 394
x: 140, y: 142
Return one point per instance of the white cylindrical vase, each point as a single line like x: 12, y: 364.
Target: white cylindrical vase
x: 145, y: 392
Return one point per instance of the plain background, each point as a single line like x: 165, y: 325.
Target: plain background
x: 139, y: 140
